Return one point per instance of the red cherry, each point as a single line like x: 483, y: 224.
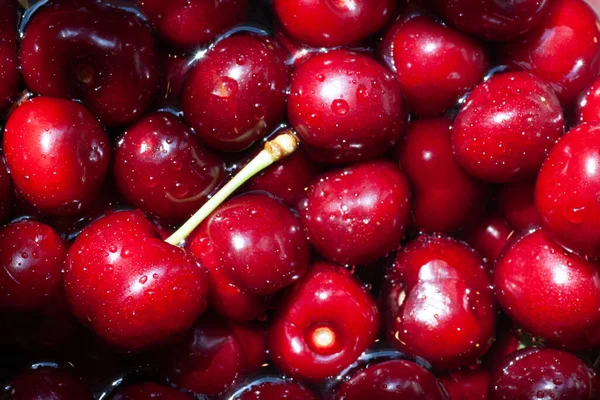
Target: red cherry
x: 508, y: 340
x: 96, y: 53
x: 310, y: 338
x: 567, y: 190
x: 345, y: 107
x: 489, y: 236
x: 435, y: 64
x: 274, y: 388
x: 131, y: 288
x: 9, y: 63
x: 439, y: 304
x: 445, y: 196
x: 563, y: 49
x: 517, y: 204
x: 299, y: 52
x: 6, y: 190
x: 177, y: 68
x: 149, y: 390
x: 467, y: 384
x: 588, y: 104
x: 193, y: 23
x: 47, y: 383
x: 58, y: 154
x: 236, y: 93
x: 506, y: 127
x: 357, y: 214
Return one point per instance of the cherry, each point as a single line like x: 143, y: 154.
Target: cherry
x: 435, y: 64
x: 508, y: 340
x: 5, y: 190
x: 193, y: 23
x: 445, y: 196
x: 9, y: 63
x: 93, y: 52
x: 161, y: 167
x: 236, y: 93
x: 177, y: 68
x: 299, y: 52
x: 506, y: 127
x: 543, y: 374
x: 345, y: 107
x: 274, y: 388
x: 489, y: 236
x: 567, y: 189
x: 588, y: 105
x: 467, y: 384
x: 438, y: 303
x: 133, y: 290
x: 310, y: 338
x: 149, y: 390
x: 47, y: 382
x: 57, y: 153
x: 333, y: 23
x: 563, y: 49
x: 517, y: 204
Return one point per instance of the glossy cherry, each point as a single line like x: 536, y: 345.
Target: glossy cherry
x: 506, y: 127
x: 588, y: 104
x: 149, y: 390
x: 489, y: 235
x: 467, y: 384
x: 47, y: 382
x: 177, y: 68
x: 6, y: 190
x: 236, y: 93
x: 132, y: 289
x: 274, y: 388
x: 445, y: 197
x: 434, y: 63
x: 310, y: 338
x: 57, y: 153
x: 563, y: 49
x: 9, y: 63
x: 438, y: 303
x: 516, y: 202
x: 345, y: 107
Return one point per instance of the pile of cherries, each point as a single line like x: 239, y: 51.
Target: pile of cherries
x: 436, y: 235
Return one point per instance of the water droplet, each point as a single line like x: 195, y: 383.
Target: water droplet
x: 112, y: 248
x: 340, y: 107
x: 320, y: 77
x: 241, y: 60
x: 24, y: 255
x: 362, y: 92
x: 575, y: 215
x: 225, y: 87
x: 180, y: 190
x: 143, y: 279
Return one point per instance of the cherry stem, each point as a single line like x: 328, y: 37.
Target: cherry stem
x: 274, y: 150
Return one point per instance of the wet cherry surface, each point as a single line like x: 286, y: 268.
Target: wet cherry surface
x: 9, y: 64
x: 48, y: 383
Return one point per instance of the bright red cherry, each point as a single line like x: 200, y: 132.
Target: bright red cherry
x: 467, y: 384
x: 445, y: 197
x: 567, y: 192
x: 47, y: 383
x: 357, y: 214
x: 132, y: 289
x: 489, y: 235
x: 6, y: 190
x: 194, y: 23
x: 345, y: 106
x: 149, y: 390
x: 57, y: 153
x: 588, y: 104
x: 9, y: 63
x: 274, y: 388
x: 563, y: 49
x: 506, y: 127
x: 236, y: 93
x: 434, y: 63
x: 517, y: 204
x: 311, y: 337
x: 93, y: 52
x: 439, y: 304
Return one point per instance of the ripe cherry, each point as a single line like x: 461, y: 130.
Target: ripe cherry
x: 467, y: 384
x: 517, y: 204
x: 588, y: 104
x: 489, y: 235
x: 273, y: 388
x: 47, y: 382
x: 9, y: 63
x: 6, y: 190
x: 149, y: 390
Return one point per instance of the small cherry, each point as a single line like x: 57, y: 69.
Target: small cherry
x: 271, y: 388
x: 177, y: 68
x: 489, y: 235
x: 588, y: 104
x: 467, y: 384
x: 516, y: 202
x: 47, y: 382
x: 149, y: 390
x: 6, y: 190
x: 9, y: 64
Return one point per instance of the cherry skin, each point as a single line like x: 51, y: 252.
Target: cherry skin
x: 177, y: 68
x: 310, y: 338
x: 9, y: 63
x: 489, y: 235
x: 588, y: 104
x: 467, y: 384
x: 563, y: 49
x: 160, y: 166
x: 424, y: 54
x: 58, y: 154
x: 6, y: 190
x: 129, y: 287
x: 517, y: 204
x: 236, y: 93
x: 194, y: 23
x: 345, y: 107
x: 107, y: 58
x: 445, y: 197
x: 506, y: 127
x: 536, y: 373
x: 438, y: 302
x: 47, y: 383
x: 149, y: 390
x: 567, y: 188
x: 357, y: 214
x: 274, y: 388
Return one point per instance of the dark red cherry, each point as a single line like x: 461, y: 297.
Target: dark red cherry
x: 236, y: 93
x: 509, y: 339
x: 467, y: 384
x: 132, y: 289
x: 274, y: 388
x: 435, y: 64
x: 193, y: 23
x: 57, y: 154
x: 311, y: 337
x: 550, y: 292
x: 563, y: 49
x: 299, y: 52
x: 93, y: 52
x: 489, y: 235
x: 46, y: 382
x: 357, y: 214
x: 149, y: 390
x: 517, y: 204
x: 506, y: 127
x: 536, y: 373
x: 9, y: 63
x: 329, y: 23
x: 439, y: 303
x: 445, y: 197
x: 6, y: 190
x: 345, y: 107
x: 568, y: 189
x: 391, y: 380
x: 588, y: 104
x: 177, y: 68
x: 161, y: 167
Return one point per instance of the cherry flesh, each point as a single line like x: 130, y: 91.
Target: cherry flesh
x: 47, y: 382
x: 149, y: 390
x: 6, y: 190
x: 467, y: 384
x: 588, y: 104
x: 489, y: 235
x: 9, y: 63
x: 274, y: 388
x: 516, y: 202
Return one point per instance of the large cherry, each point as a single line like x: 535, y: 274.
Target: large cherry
x: 506, y: 127
x: 93, y: 52
x: 310, y: 337
x: 434, y: 63
x: 588, y: 104
x: 47, y: 382
x: 9, y: 63
x: 236, y: 93
x: 149, y: 390
x: 345, y: 106
x: 467, y: 384
x: 57, y: 153
x: 438, y: 303
x: 132, y: 289
x: 6, y: 190
x: 516, y: 202
x: 273, y: 388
